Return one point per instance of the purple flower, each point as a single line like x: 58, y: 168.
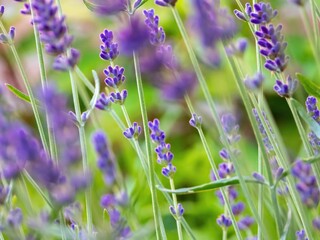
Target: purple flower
x: 178, y: 86
x: 307, y: 185
x: 64, y: 63
x: 301, y: 235
x: 224, y: 221
x: 258, y: 177
x: 225, y: 169
x: 133, y: 36
x: 238, y: 47
x: 245, y: 223
x: 286, y: 89
x: 118, y: 224
x: 195, y: 121
x: 14, y: 218
x: 237, y: 208
x: 165, y: 3
x: 254, y: 82
x: 104, y: 102
x: 157, y: 35
x: 119, y: 97
x: 157, y: 135
x: 109, y: 49
x: 132, y: 132
x: 107, y: 7
x: 107, y: 201
x: 316, y: 223
x: 114, y: 76
x: 230, y: 127
x: 177, y: 212
x: 105, y: 160
x: 1, y: 10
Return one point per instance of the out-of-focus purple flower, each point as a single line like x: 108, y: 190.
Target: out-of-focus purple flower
x: 313, y: 111
x: 254, y: 82
x: 8, y: 39
x: 1, y: 10
x: 104, y: 102
x: 166, y: 3
x: 109, y: 49
x: 169, y: 170
x: 286, y: 89
x: 301, y: 235
x: 106, y: 7
x: 307, y: 185
x: 300, y: 3
x: 4, y: 191
x: 225, y: 169
x: 245, y: 223
x: 157, y: 35
x: 119, y: 97
x: 105, y: 160
x: 107, y: 201
x: 14, y: 218
x: 178, y: 86
x: 121, y: 230
x: 177, y: 212
x: 211, y: 24
x: 64, y: 63
x: 53, y: 33
x: 237, y: 208
x: 195, y: 120
x: 26, y: 10
x: 133, y: 36
x: 316, y: 223
x: 224, y: 221
x: 132, y: 132
x: 114, y: 76
x: 258, y: 177
x: 238, y: 47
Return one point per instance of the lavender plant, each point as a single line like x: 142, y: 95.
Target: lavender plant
x: 52, y: 182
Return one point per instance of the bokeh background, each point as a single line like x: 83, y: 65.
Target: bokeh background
x: 201, y: 210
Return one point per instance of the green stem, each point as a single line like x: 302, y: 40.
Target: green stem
x: 148, y: 144
x: 175, y: 205
x: 215, y: 170
x: 214, y: 113
x: 29, y: 90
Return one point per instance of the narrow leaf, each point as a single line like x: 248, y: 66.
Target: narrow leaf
x: 284, y: 234
x: 211, y: 186
x: 310, y: 86
x: 314, y: 126
x: 96, y: 90
x: 20, y: 94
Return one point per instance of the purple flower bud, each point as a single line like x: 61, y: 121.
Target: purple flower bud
x: 168, y: 171
x: 104, y: 102
x: 166, y: 3
x: 195, y: 121
x: 279, y: 173
x: 65, y: 63
x: 286, y: 89
x: 224, y: 154
x: 224, y: 221
x: 132, y: 132
x: 137, y: 4
x: 245, y: 223
x: 114, y: 76
x: 254, y: 82
x: 237, y: 208
x: 107, y: 201
x: 1, y: 10
x: 180, y: 210
x: 157, y: 35
x: 240, y: 15
x: 301, y: 235
x: 15, y: 217
x: 26, y: 10
x: 119, y: 97
x: 109, y: 49
x: 157, y: 135
x: 316, y: 223
x: 258, y: 177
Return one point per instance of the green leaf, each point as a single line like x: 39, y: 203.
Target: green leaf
x: 314, y: 126
x: 285, y: 232
x: 310, y: 86
x: 211, y: 186
x: 20, y: 94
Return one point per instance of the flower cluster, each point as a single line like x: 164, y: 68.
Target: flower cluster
x: 271, y: 42
x: 313, y: 111
x: 177, y: 82
x: 112, y: 202
x: 226, y: 170
x: 211, y: 24
x: 53, y: 33
x: 114, y: 74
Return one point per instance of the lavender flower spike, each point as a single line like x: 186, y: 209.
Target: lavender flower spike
x: 115, y: 76
x: 119, y: 97
x: 286, y: 89
x: 195, y: 121
x: 132, y: 132
x: 104, y: 102
x: 109, y: 49
x: 157, y: 35
x: 224, y: 221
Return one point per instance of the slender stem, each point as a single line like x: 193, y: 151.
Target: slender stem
x: 215, y: 115
x: 29, y: 90
x: 143, y: 109
x: 84, y: 79
x: 43, y: 77
x: 175, y: 205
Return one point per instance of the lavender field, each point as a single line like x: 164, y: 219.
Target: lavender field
x: 159, y: 119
